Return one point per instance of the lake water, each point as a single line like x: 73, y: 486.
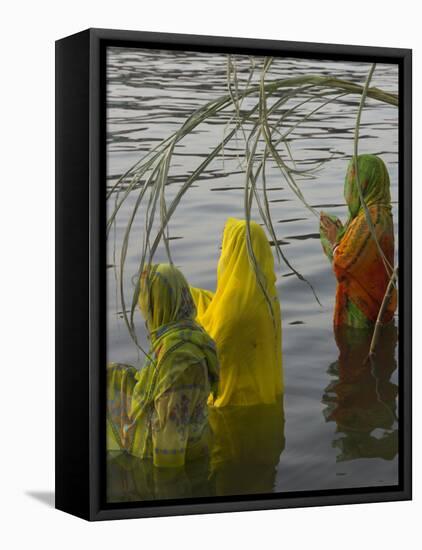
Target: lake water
x: 336, y: 427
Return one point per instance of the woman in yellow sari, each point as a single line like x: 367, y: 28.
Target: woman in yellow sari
x: 244, y: 322
x: 161, y: 412
x: 362, y: 271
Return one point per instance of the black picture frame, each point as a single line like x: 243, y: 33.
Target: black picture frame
x: 80, y: 273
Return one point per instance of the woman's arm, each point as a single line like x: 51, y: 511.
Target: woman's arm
x: 121, y: 379
x: 357, y: 250
x: 329, y: 227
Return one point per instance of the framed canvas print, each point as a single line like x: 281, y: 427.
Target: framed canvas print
x: 233, y: 274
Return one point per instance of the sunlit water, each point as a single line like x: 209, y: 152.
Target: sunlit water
x: 339, y: 428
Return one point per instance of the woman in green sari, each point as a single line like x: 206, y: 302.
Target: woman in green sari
x: 160, y: 412
x: 362, y: 259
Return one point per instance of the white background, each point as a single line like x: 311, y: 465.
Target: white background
x: 28, y: 31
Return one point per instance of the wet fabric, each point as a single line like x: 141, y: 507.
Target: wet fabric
x: 246, y: 450
x: 245, y: 327
x: 361, y: 272
x: 163, y: 414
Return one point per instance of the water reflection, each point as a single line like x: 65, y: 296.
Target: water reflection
x: 130, y: 479
x: 246, y: 446
x: 149, y: 95
x: 361, y: 399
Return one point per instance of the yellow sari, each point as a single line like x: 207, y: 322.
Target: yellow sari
x: 238, y: 318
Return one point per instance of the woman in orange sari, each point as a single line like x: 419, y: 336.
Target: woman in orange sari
x: 362, y: 264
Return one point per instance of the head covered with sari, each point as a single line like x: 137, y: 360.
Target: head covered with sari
x: 164, y: 298
x: 243, y: 320
x: 363, y: 272
x: 177, y: 344
x: 374, y: 183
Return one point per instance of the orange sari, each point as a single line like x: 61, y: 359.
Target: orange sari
x: 362, y: 264
x: 360, y: 271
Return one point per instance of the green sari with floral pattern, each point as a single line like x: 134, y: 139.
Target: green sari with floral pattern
x: 161, y: 411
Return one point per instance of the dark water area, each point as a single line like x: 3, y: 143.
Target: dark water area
x: 337, y: 425
x: 248, y: 444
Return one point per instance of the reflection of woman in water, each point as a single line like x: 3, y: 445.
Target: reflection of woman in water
x: 160, y: 412
x: 244, y: 323
x: 248, y: 442
x: 362, y: 272
x: 131, y: 479
x: 362, y: 399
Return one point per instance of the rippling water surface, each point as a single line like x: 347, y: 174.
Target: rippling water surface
x: 340, y: 428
